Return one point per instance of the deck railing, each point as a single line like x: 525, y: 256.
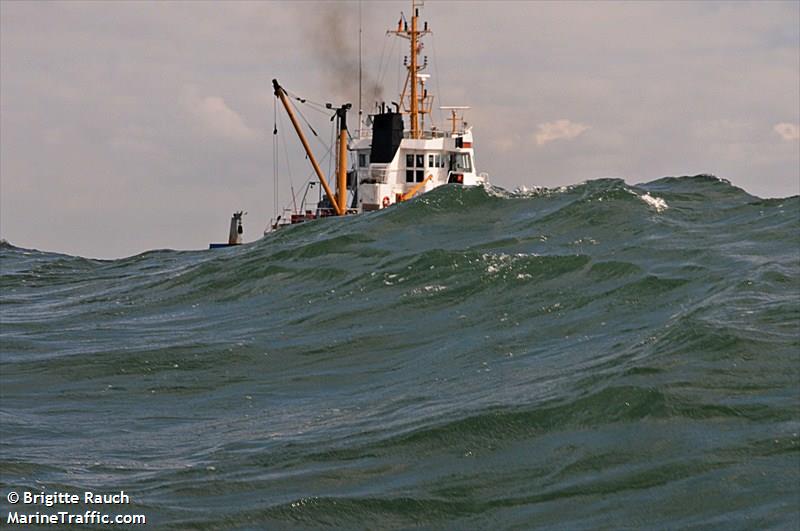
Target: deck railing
x: 377, y: 174
x: 426, y: 135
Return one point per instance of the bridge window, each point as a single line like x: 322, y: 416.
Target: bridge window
x: 435, y: 160
x: 415, y: 167
x: 363, y: 160
x: 463, y: 162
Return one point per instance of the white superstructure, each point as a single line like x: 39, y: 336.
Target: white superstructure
x: 418, y: 165
x: 387, y: 171
x: 397, y: 152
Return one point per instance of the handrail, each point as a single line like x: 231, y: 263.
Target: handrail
x: 380, y: 174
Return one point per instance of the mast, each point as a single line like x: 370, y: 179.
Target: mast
x: 360, y: 108
x: 413, y: 72
x: 341, y: 166
x: 417, y: 94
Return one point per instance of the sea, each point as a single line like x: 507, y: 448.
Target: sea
x: 596, y: 356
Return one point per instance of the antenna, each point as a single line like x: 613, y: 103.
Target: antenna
x: 454, y: 115
x: 360, y: 111
x: 414, y: 92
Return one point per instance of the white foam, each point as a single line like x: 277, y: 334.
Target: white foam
x: 656, y: 202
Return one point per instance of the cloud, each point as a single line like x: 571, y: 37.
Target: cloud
x: 216, y: 118
x: 787, y: 131
x: 557, y: 130
x: 184, y: 115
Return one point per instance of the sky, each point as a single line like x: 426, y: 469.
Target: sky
x: 131, y: 126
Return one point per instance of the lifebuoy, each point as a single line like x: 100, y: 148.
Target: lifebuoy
x: 386, y: 201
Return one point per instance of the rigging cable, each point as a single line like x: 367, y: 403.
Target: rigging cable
x: 275, y: 157
x: 288, y: 165
x: 311, y: 175
x: 327, y: 147
x: 360, y: 109
x: 304, y: 118
x: 314, y: 106
x: 384, y: 68
x: 436, y: 77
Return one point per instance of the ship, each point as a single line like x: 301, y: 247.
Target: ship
x: 397, y: 152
